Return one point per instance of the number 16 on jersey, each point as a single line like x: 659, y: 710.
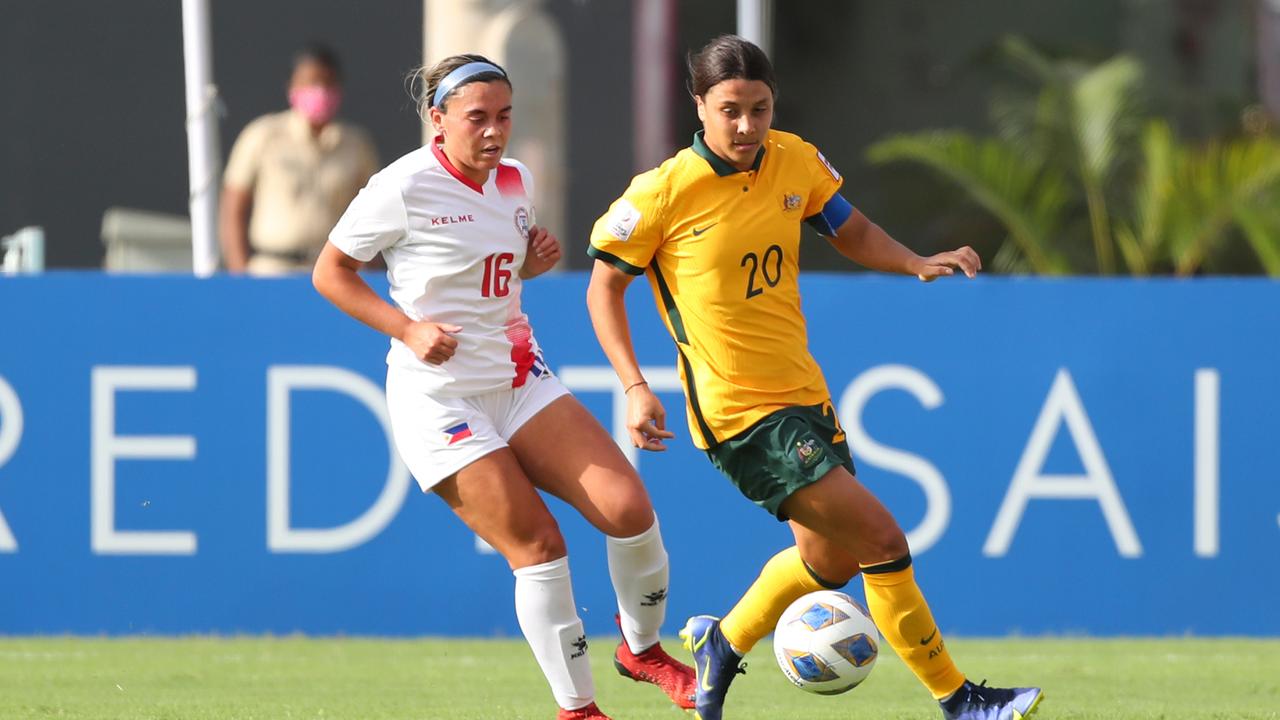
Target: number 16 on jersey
x: 497, y: 278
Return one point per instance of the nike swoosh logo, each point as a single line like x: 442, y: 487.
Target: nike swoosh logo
x: 706, y: 666
x: 697, y: 232
x: 927, y: 640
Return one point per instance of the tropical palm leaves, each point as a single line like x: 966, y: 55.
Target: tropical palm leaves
x: 1022, y: 191
x: 1083, y: 143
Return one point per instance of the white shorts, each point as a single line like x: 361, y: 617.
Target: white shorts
x: 438, y: 436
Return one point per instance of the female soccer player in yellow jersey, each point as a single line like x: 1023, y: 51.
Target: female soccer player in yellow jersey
x: 717, y: 229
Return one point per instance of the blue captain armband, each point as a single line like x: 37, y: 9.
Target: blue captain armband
x: 832, y: 216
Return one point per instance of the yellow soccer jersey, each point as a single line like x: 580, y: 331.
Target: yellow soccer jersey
x: 720, y: 247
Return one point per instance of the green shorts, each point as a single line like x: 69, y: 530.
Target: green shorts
x: 783, y: 452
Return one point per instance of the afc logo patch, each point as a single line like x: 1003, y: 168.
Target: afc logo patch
x: 791, y: 202
x: 522, y: 221
x: 622, y: 220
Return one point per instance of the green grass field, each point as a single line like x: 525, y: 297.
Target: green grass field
x: 374, y: 679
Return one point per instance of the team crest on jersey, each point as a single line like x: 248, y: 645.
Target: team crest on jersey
x: 791, y: 202
x: 827, y: 165
x: 809, y: 452
x: 522, y: 221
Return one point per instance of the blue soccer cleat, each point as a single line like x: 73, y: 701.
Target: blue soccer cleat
x: 979, y: 702
x: 714, y: 662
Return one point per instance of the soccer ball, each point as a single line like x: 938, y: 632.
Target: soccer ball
x: 825, y: 643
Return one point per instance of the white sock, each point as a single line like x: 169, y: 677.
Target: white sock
x: 638, y: 567
x: 544, y: 607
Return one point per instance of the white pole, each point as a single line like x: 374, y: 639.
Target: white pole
x: 22, y: 252
x: 653, y: 47
x: 451, y: 27
x: 1267, y: 24
x: 202, y: 136
x: 755, y: 23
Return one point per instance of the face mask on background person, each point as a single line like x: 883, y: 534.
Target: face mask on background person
x: 317, y: 103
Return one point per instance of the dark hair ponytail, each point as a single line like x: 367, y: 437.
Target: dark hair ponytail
x: 729, y: 57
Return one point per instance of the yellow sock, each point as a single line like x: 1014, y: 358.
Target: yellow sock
x: 904, y: 620
x: 783, y: 579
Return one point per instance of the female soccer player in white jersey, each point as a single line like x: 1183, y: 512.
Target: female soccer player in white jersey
x: 477, y: 415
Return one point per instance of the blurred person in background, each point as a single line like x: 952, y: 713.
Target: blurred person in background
x: 477, y: 414
x: 718, y: 229
x: 292, y: 173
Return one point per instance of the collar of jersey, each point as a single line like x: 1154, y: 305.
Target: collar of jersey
x: 718, y: 163
x: 449, y: 168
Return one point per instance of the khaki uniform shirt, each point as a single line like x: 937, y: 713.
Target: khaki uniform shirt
x: 300, y: 184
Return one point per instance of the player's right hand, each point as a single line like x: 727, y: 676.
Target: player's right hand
x: 646, y: 420
x: 946, y: 263
x: 432, y: 342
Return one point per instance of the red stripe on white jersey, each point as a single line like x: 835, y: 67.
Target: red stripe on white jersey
x: 521, y: 337
x: 448, y: 166
x: 509, y: 181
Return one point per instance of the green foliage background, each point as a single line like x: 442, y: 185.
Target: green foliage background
x: 1084, y: 178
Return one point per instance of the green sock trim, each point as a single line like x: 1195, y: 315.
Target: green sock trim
x: 892, y: 566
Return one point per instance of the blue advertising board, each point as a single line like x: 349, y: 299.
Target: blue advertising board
x: 1067, y: 456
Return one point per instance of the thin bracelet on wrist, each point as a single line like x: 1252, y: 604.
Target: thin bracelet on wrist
x: 634, y: 384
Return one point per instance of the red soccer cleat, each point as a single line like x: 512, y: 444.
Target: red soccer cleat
x: 590, y: 712
x: 657, y: 667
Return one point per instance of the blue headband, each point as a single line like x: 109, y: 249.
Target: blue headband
x: 459, y: 76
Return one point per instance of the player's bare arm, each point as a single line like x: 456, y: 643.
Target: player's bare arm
x: 646, y: 418
x: 337, y: 277
x: 870, y: 246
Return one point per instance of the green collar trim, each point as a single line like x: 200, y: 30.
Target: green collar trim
x: 717, y: 163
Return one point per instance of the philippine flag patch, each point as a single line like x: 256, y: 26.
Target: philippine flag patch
x: 458, y: 432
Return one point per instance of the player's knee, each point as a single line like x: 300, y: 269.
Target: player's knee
x: 543, y: 546
x: 628, y: 511
x: 832, y: 570
x: 887, y: 544
x: 632, y: 518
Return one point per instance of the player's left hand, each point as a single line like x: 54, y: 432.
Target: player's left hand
x: 543, y: 253
x: 946, y: 263
x: 646, y: 419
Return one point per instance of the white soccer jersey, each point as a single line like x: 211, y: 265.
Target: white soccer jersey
x: 454, y: 251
